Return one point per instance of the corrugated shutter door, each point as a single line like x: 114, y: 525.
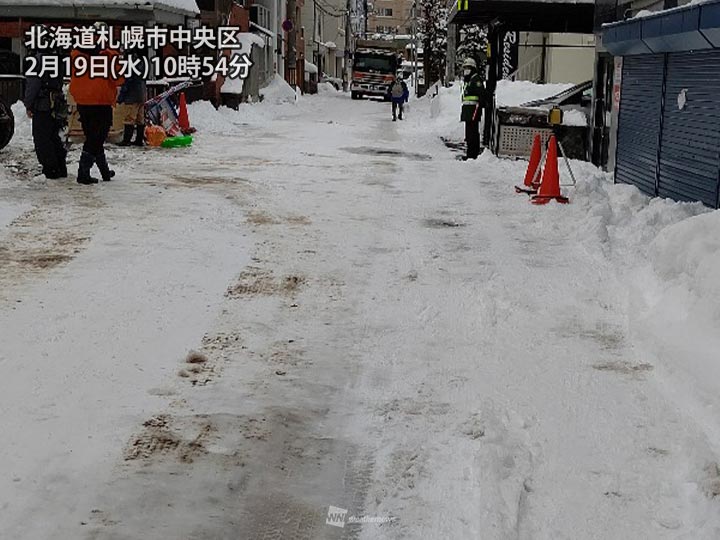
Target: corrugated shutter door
x: 639, y: 125
x: 690, y: 147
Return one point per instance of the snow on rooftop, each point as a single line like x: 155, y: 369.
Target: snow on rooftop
x: 186, y: 6
x: 248, y: 39
x: 514, y: 93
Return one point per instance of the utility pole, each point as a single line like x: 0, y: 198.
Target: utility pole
x: 415, y: 48
x: 292, y: 44
x: 365, y: 12
x: 348, y: 45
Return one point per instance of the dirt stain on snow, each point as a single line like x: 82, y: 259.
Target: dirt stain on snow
x: 626, y: 368
x: 373, y: 151
x: 441, y: 223
x: 47, y: 236
x: 256, y: 217
x: 159, y: 438
x: 255, y: 281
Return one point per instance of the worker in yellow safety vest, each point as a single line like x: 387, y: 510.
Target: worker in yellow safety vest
x: 473, y: 97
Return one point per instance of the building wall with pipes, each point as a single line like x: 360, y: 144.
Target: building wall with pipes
x: 324, y: 23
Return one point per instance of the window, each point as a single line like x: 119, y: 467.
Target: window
x: 385, y: 12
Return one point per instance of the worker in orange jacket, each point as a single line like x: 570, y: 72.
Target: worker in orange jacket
x: 95, y: 99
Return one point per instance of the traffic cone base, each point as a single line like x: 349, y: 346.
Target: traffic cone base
x: 533, y: 168
x: 539, y: 199
x: 550, y: 185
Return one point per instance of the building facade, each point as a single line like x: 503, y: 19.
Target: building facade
x: 390, y: 17
x: 666, y: 99
x: 324, y: 23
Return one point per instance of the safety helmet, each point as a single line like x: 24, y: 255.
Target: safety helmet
x: 469, y: 63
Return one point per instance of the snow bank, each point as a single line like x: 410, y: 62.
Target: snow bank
x: 689, y: 252
x: 326, y: 88
x: 513, y: 93
x: 226, y: 121
x: 206, y: 118
x: 23, y: 124
x: 278, y: 91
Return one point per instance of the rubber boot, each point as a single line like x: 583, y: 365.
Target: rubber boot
x: 105, y: 171
x: 139, y: 136
x: 62, y: 169
x: 86, y: 162
x: 127, y: 135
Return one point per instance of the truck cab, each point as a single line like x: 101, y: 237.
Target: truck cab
x: 373, y: 71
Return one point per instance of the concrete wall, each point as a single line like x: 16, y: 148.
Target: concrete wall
x: 572, y: 63
x: 569, y: 58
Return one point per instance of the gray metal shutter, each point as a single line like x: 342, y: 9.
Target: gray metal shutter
x: 639, y: 122
x: 690, y: 147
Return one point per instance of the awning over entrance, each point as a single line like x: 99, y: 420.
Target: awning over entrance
x: 690, y: 28
x: 572, y: 16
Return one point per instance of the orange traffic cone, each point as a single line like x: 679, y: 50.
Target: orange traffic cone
x: 550, y: 185
x: 532, y: 170
x: 183, y: 118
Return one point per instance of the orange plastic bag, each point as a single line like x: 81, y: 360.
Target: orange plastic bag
x: 155, y: 135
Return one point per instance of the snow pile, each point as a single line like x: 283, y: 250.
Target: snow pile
x: 685, y: 260
x: 23, y: 125
x: 278, y: 91
x: 514, y: 93
x: 327, y: 88
x: 226, y: 121
x: 439, y: 112
x: 206, y: 118
x: 574, y: 117
x: 690, y: 252
x: 619, y: 216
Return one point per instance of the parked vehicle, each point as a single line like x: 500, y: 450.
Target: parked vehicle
x: 514, y: 127
x: 375, y: 64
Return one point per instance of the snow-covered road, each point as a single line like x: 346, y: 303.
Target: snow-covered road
x: 379, y: 328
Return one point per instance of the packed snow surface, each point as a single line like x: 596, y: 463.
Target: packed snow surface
x: 314, y: 306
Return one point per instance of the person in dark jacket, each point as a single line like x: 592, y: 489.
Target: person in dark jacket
x: 95, y: 98
x: 473, y: 97
x: 399, y: 95
x: 45, y: 103
x: 131, y: 105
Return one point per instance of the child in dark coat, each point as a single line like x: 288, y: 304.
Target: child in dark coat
x: 131, y: 101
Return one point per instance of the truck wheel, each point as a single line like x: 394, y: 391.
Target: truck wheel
x: 7, y: 124
x: 355, y: 95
